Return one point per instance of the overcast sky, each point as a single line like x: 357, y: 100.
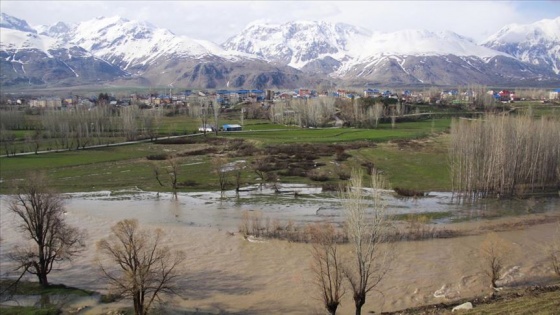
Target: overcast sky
x: 218, y: 20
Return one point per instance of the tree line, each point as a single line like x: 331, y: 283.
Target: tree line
x: 504, y: 156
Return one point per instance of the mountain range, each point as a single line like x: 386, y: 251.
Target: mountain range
x: 118, y: 51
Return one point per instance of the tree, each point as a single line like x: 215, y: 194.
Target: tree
x: 42, y: 221
x: 216, y: 109
x: 8, y: 139
x: 146, y: 268
x: 553, y: 251
x: 326, y: 264
x: 219, y: 165
x: 494, y: 254
x: 172, y: 171
x: 366, y: 232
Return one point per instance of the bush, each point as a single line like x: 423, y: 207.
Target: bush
x: 158, y: 157
x: 293, y: 171
x: 342, y: 156
x: 318, y: 176
x: 188, y: 183
x: 343, y: 175
x: 203, y: 151
x: 109, y: 298
x: 330, y: 187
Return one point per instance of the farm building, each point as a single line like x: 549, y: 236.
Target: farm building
x: 234, y: 127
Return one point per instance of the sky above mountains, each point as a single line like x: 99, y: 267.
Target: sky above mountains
x: 219, y: 20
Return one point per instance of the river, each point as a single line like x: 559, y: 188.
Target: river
x: 227, y: 274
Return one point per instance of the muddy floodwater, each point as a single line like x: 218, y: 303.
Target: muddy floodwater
x: 226, y: 274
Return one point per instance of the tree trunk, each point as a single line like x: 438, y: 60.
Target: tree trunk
x: 359, y: 301
x: 43, y: 279
x: 331, y: 307
x: 138, y: 307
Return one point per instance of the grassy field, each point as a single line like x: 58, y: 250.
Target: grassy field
x: 543, y: 304
x: 515, y: 302
x: 126, y: 167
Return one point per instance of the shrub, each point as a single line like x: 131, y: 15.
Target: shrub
x: 158, y: 157
x: 188, y: 183
x: 318, y: 176
x: 343, y: 175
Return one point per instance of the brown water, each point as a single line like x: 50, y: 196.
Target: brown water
x: 229, y: 274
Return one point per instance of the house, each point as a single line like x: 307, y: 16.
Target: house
x: 506, y: 96
x: 303, y: 93
x: 372, y: 93
x: 52, y: 102
x: 554, y: 95
x: 231, y: 127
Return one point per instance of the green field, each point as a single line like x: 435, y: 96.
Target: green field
x: 126, y: 167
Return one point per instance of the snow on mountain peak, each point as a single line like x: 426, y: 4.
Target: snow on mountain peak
x: 133, y: 43
x: 537, y: 43
x: 424, y: 43
x: 10, y: 22
x: 547, y: 29
x: 297, y: 43
x: 17, y: 35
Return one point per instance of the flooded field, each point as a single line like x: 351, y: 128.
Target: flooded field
x: 227, y: 274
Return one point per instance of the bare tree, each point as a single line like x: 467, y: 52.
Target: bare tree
x: 553, y: 251
x: 370, y: 258
x: 237, y: 174
x: 326, y: 264
x: 146, y: 268
x: 219, y: 164
x: 216, y: 110
x: 8, y: 139
x: 494, y: 254
x: 42, y: 222
x: 504, y: 156
x: 129, y: 116
x: 172, y: 171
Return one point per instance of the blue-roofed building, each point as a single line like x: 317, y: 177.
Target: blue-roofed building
x: 231, y: 127
x: 554, y: 95
x: 372, y: 93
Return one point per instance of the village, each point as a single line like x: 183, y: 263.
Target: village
x: 227, y: 98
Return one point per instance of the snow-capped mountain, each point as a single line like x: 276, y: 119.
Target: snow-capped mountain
x: 30, y: 58
x: 290, y: 55
x: 424, y: 57
x: 537, y: 43
x: 135, y: 45
x: 13, y: 23
x: 298, y: 44
x: 404, y: 57
x: 58, y: 30
x: 423, y: 43
x: 156, y: 56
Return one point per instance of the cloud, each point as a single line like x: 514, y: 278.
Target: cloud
x: 218, y: 20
